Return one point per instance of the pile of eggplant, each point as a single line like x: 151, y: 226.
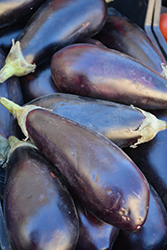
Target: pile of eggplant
x: 83, y: 129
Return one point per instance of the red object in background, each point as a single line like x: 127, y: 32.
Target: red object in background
x: 163, y: 25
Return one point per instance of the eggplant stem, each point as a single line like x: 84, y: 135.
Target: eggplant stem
x: 11, y: 106
x: 149, y: 128
x: 15, y: 63
x: 108, y: 1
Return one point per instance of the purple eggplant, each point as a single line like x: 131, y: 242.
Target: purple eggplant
x: 38, y: 208
x: 151, y: 158
x: 153, y: 235
x: 54, y: 25
x: 39, y: 83
x: 99, y: 173
x: 122, y: 34
x: 103, y: 73
x: 14, y: 11
x: 93, y: 233
x: 122, y: 124
x: 10, y: 89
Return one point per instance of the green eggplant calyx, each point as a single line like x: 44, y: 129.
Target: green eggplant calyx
x: 4, y: 149
x: 164, y: 70
x: 16, y: 143
x: 19, y: 112
x: 15, y: 63
x: 149, y: 128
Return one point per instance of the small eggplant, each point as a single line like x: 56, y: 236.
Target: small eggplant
x: 103, y: 73
x: 153, y: 234
x: 99, y: 173
x: 122, y: 34
x: 93, y: 233
x: 13, y: 11
x: 54, y: 25
x: 38, y: 208
x: 38, y: 83
x: 10, y: 89
x: 122, y: 124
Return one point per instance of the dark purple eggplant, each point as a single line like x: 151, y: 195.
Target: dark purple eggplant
x: 151, y: 158
x: 10, y: 89
x: 103, y: 73
x: 38, y: 208
x: 153, y: 234
x: 122, y: 124
x: 39, y: 83
x: 13, y: 11
x: 122, y: 34
x: 99, y: 173
x: 54, y: 25
x: 93, y: 233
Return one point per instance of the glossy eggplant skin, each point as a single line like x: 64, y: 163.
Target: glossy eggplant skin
x: 8, y: 33
x: 39, y: 211
x: 153, y: 234
x: 151, y: 158
x: 39, y: 83
x: 103, y: 73
x: 119, y: 123
x: 62, y: 23
x: 122, y: 34
x: 10, y: 89
x: 93, y: 233
x: 13, y: 11
x: 98, y: 172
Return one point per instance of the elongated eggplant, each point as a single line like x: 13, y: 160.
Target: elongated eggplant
x: 38, y: 83
x: 151, y: 158
x: 55, y: 24
x: 10, y: 89
x: 122, y: 124
x: 122, y: 34
x: 12, y: 11
x: 93, y: 233
x: 103, y: 73
x: 153, y: 234
x: 38, y: 208
x: 100, y: 174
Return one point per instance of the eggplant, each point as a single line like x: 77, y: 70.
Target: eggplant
x: 54, y: 25
x: 124, y: 125
x: 122, y: 34
x: 4, y: 235
x: 151, y: 159
x: 98, y: 173
x: 93, y: 233
x: 10, y: 89
x: 14, y: 11
x: 94, y: 71
x: 39, y: 211
x: 39, y: 83
x: 153, y: 234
